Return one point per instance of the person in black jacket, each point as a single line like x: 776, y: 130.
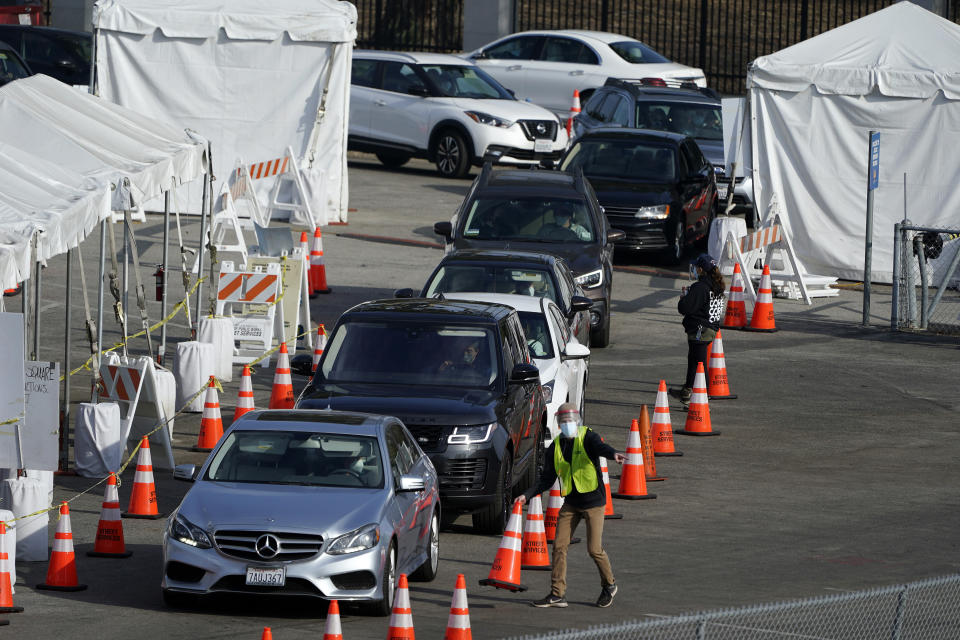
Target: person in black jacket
x: 573, y: 456
x: 702, y: 308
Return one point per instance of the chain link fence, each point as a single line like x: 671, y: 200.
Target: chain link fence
x: 927, y: 609
x: 926, y: 292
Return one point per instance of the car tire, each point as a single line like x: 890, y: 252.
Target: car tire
x: 384, y: 606
x: 393, y: 160
x: 177, y: 599
x: 600, y: 337
x: 678, y: 246
x: 451, y: 155
x: 428, y: 570
x: 492, y: 519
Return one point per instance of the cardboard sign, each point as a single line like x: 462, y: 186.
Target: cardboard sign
x: 40, y: 436
x: 12, y: 402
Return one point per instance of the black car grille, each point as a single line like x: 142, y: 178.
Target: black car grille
x: 292, y: 546
x: 530, y: 129
x: 293, y: 587
x: 464, y: 474
x: 430, y: 438
x: 355, y: 580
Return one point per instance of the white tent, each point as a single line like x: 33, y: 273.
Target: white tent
x: 252, y: 77
x: 896, y: 71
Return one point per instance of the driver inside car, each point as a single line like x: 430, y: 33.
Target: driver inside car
x: 563, y: 227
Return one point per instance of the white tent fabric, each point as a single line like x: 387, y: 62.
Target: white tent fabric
x: 250, y: 76
x: 896, y: 71
x: 61, y: 152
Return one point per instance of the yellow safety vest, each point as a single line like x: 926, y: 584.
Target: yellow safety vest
x: 584, y: 474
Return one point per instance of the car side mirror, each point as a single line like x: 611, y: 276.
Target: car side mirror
x: 444, y: 229
x: 575, y: 351
x: 615, y: 235
x: 419, y: 90
x: 302, y: 365
x: 404, y: 293
x: 185, y: 472
x: 580, y: 303
x: 480, y: 55
x: 411, y: 483
x: 524, y: 373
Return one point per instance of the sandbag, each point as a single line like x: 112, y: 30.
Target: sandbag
x: 193, y: 367
x: 27, y: 495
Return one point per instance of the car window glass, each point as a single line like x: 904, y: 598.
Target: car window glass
x: 567, y: 50
x: 459, y: 278
x: 689, y: 160
x: 522, y: 48
x: 395, y: 452
x: 622, y: 159
x: 400, y: 77
x: 560, y: 324
x: 610, y: 105
x: 363, y: 73
x: 694, y: 120
x: 593, y: 105
x: 538, y: 335
x: 509, y: 353
x: 566, y: 289
x: 636, y: 52
x: 622, y: 113
x: 518, y: 344
x: 532, y: 219
x: 464, y: 81
x: 11, y: 68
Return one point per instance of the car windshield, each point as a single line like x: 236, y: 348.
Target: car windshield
x: 702, y: 121
x: 461, y: 81
x: 411, y: 353
x: 298, y: 457
x: 636, y: 52
x: 455, y: 278
x: 10, y: 68
x: 631, y: 159
x: 538, y: 336
x: 533, y: 219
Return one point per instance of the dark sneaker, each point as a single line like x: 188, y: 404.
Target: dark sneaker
x: 552, y: 601
x: 682, y: 394
x: 606, y: 596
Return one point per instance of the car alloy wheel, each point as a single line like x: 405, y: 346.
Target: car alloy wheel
x: 677, y: 246
x: 428, y: 570
x: 451, y: 155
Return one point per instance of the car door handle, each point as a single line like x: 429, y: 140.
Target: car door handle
x: 578, y: 72
x: 514, y: 67
x: 380, y: 103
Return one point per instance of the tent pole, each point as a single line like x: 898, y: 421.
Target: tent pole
x: 203, y: 232
x: 35, y: 353
x: 163, y: 295
x: 65, y: 405
x: 126, y: 285
x: 25, y: 309
x: 102, y: 270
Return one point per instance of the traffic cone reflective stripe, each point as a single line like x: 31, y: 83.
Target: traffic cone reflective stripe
x: 646, y: 443
x: 211, y: 426
x: 458, y: 624
x: 6, y: 567
x: 319, y: 347
x: 318, y: 270
x: 332, y: 629
x: 505, y: 573
x: 608, y: 512
x: 401, y: 619
x: 143, y: 498
x: 762, y: 318
x: 735, y: 316
x: 554, y: 502
x: 109, y: 542
x: 244, y: 395
x: 633, y: 481
x: 62, y: 571
x: 574, y: 111
x: 662, y: 425
x: 534, y: 554
x: 281, y: 397
x: 718, y: 386
x: 698, y: 412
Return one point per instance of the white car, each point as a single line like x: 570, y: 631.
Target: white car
x: 559, y: 356
x: 547, y: 66
x: 446, y: 109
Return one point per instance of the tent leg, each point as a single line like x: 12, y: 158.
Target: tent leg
x: 102, y: 273
x: 207, y: 186
x: 25, y: 311
x: 126, y: 286
x: 163, y: 296
x: 64, y: 462
x: 35, y: 352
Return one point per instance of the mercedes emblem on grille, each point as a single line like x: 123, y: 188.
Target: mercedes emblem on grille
x: 267, y: 546
x: 541, y: 128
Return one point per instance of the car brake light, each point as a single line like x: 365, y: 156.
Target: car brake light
x: 654, y: 82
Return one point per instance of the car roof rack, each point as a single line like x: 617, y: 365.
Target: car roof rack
x: 634, y: 84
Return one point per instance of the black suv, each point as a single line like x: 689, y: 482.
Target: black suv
x: 656, y: 186
x: 12, y: 67
x: 58, y: 53
x: 546, y: 211
x: 458, y: 375
x: 525, y: 272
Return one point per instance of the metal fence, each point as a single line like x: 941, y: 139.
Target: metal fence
x: 926, y: 291
x: 410, y: 25
x: 922, y: 610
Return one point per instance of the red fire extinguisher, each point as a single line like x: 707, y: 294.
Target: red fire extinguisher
x: 158, y: 274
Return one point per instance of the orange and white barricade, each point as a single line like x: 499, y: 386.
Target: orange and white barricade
x: 288, y: 180
x: 243, y: 196
x: 248, y: 298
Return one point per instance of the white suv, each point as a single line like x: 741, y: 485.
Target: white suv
x: 447, y: 110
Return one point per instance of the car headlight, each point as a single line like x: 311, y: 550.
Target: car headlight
x: 182, y: 530
x: 361, y: 539
x: 486, y: 118
x: 548, y: 392
x: 590, y: 280
x: 473, y: 434
x: 656, y: 212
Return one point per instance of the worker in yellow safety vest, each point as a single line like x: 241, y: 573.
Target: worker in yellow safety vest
x: 573, y: 457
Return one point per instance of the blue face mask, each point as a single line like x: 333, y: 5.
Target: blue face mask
x: 568, y: 429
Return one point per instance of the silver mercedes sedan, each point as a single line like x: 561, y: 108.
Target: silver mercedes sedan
x: 306, y: 503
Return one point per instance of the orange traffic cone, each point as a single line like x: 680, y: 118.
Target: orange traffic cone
x: 662, y: 426
x: 267, y: 634
x: 319, y: 347
x: 718, y: 387
x: 608, y: 512
x: 646, y: 444
x: 281, y: 397
x: 318, y: 270
x: 633, y: 481
x: 332, y: 629
x: 534, y: 554
x: 401, y: 619
x: 762, y: 318
x: 143, y: 498
x: 458, y: 624
x: 736, y: 313
x: 574, y: 111
x: 505, y: 573
x: 244, y: 395
x: 211, y: 426
x: 62, y: 571
x: 554, y: 502
x: 6, y: 584
x: 698, y: 412
x: 109, y: 542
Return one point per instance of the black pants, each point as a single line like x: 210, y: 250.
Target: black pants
x: 697, y: 351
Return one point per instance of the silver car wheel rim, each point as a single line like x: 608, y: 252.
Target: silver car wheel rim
x: 434, y: 544
x: 678, y: 240
x: 391, y: 577
x: 448, y: 154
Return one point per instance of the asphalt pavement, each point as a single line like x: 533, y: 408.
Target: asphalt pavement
x: 835, y: 469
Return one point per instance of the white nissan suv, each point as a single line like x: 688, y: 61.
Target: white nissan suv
x: 446, y: 109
